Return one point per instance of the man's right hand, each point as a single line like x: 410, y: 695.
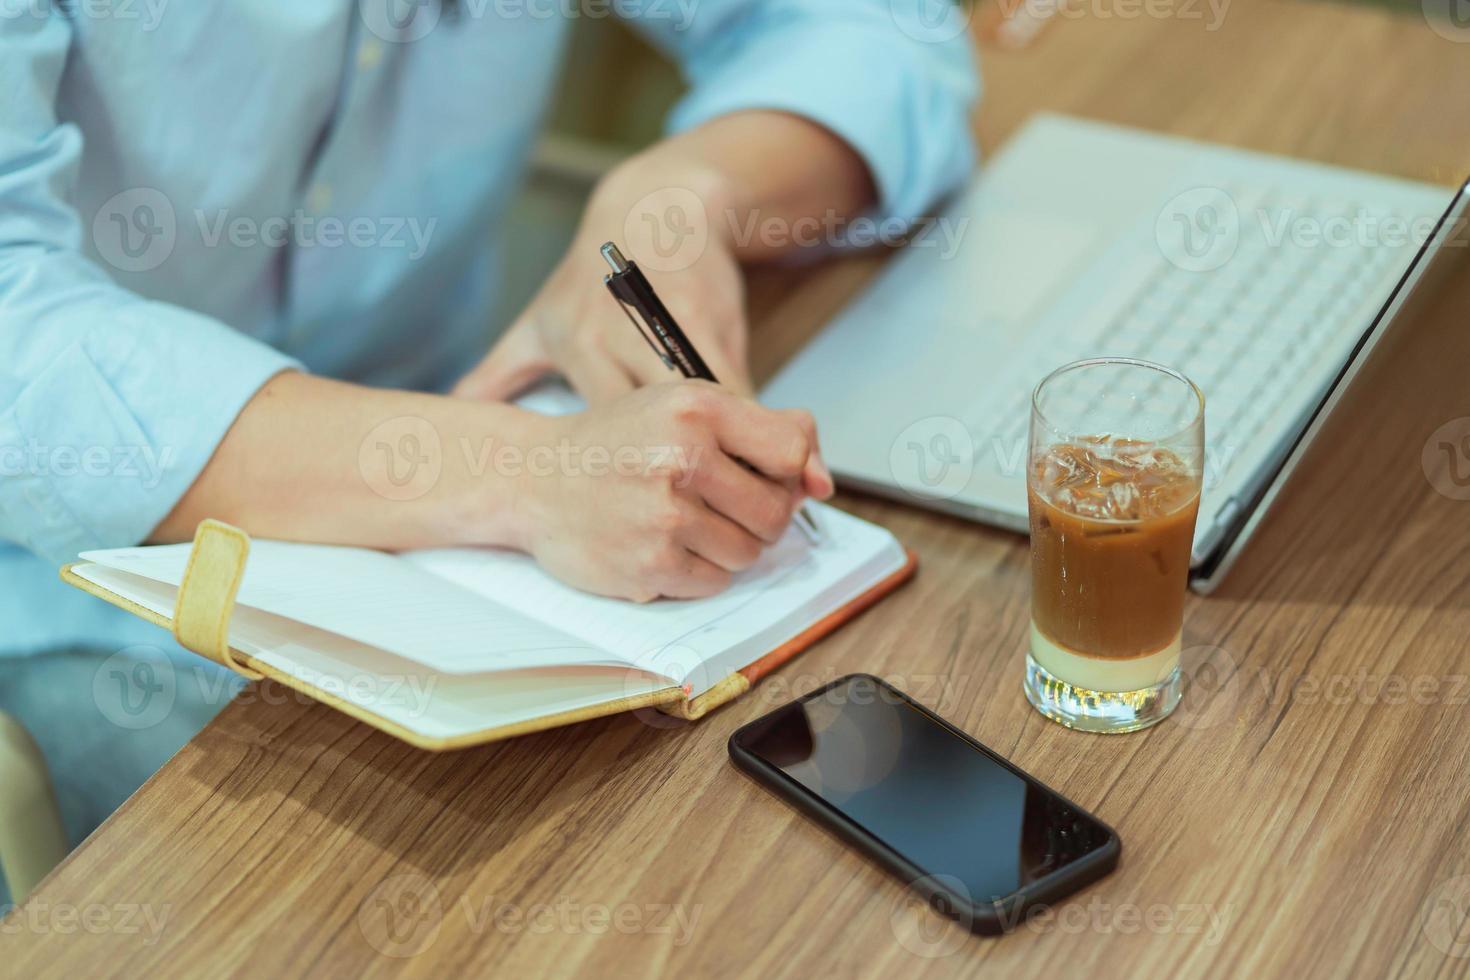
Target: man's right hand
x: 647, y: 496
x: 638, y: 498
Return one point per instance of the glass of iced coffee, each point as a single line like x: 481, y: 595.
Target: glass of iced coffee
x: 1113, y: 483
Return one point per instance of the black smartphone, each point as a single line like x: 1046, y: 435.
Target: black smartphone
x: 980, y: 840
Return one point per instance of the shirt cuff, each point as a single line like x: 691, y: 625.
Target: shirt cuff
x: 102, y: 442
x: 907, y: 117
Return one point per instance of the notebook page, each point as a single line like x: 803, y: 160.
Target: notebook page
x: 402, y: 691
x: 380, y: 600
x: 793, y: 582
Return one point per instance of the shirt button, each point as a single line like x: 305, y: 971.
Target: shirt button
x: 369, y: 53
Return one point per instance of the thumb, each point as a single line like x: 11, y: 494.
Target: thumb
x: 516, y: 362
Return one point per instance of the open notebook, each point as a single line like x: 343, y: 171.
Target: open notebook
x: 454, y: 647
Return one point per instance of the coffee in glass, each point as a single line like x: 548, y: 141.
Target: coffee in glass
x: 1113, y: 485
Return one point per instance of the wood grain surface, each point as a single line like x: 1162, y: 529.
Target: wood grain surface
x: 1305, y: 814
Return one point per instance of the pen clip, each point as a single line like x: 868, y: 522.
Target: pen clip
x: 645, y: 332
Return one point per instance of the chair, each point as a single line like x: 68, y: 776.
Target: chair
x: 32, y: 840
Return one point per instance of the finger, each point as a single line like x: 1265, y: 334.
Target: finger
x: 721, y: 541
x: 816, y: 478
x: 761, y: 506
x: 697, y: 578
x: 515, y: 363
x: 737, y: 350
x: 775, y: 443
x: 720, y: 344
x: 717, y: 327
x: 595, y: 375
x: 637, y: 359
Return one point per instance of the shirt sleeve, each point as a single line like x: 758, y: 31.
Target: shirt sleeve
x: 110, y: 404
x: 891, y: 78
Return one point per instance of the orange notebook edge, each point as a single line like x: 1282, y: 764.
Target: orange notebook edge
x: 670, y: 700
x: 738, y: 683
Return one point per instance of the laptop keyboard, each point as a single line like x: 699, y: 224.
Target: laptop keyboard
x: 1246, y: 333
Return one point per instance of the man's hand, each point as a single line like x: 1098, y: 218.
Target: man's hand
x: 670, y: 220
x: 652, y: 500
x: 686, y: 209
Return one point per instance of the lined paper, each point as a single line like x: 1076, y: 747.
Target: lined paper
x: 678, y: 637
x: 380, y: 600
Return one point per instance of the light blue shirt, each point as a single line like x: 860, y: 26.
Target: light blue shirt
x: 194, y: 196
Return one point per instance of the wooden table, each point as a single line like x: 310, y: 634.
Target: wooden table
x: 1304, y: 815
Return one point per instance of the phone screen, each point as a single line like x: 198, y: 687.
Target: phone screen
x: 936, y: 797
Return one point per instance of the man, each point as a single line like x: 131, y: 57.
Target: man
x: 245, y: 244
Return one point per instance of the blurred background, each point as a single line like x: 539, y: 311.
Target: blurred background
x: 586, y: 134
x: 1371, y: 84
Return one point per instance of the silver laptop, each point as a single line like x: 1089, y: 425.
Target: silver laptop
x: 1264, y: 279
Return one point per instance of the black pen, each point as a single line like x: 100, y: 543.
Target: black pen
x: 631, y: 288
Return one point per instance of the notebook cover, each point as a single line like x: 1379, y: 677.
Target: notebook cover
x: 221, y: 578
